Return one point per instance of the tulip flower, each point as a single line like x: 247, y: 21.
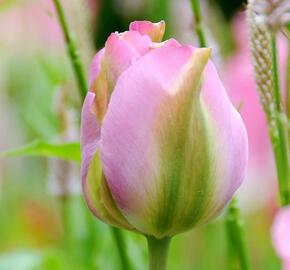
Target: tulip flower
x: 281, y: 236
x: 163, y: 149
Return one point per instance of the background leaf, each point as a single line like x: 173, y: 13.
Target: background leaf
x: 66, y: 151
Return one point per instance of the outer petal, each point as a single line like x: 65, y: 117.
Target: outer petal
x: 229, y: 143
x: 154, y: 30
x: 95, y: 67
x: 281, y: 234
x: 95, y: 188
x: 99, y: 85
x: 122, y: 50
x: 149, y: 101
x: 90, y: 133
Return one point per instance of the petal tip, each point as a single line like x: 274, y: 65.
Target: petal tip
x: 203, y: 53
x: 154, y: 30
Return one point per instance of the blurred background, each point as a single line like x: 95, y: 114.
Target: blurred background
x: 44, y: 222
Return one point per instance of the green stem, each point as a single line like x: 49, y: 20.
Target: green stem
x: 72, y: 241
x: 288, y: 93
x: 64, y: 207
x: 89, y: 239
x: 236, y: 238
x: 158, y: 252
x: 72, y: 50
x: 119, y: 239
x: 198, y: 22
x: 281, y: 155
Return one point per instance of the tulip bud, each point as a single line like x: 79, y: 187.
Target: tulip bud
x: 281, y: 236
x: 163, y: 149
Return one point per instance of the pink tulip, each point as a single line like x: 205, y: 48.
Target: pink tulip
x: 163, y: 149
x: 281, y: 236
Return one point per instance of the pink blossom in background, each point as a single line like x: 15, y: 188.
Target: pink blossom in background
x: 29, y: 24
x: 281, y: 236
x: 34, y: 24
x: 240, y: 84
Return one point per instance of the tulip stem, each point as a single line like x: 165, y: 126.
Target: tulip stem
x: 237, y: 247
x: 288, y: 93
x: 281, y: 155
x: 198, y: 22
x: 288, y: 86
x: 64, y: 207
x: 119, y: 239
x: 71, y: 49
x: 158, y: 252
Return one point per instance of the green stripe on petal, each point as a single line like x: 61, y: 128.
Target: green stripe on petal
x: 182, y: 136
x: 99, y: 197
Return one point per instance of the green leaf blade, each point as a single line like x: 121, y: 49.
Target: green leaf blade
x: 66, y: 151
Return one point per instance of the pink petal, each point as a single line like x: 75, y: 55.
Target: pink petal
x: 96, y: 192
x: 281, y: 234
x: 231, y: 149
x: 90, y: 134
x: 122, y: 50
x: 99, y: 85
x: 95, y: 67
x: 154, y: 30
